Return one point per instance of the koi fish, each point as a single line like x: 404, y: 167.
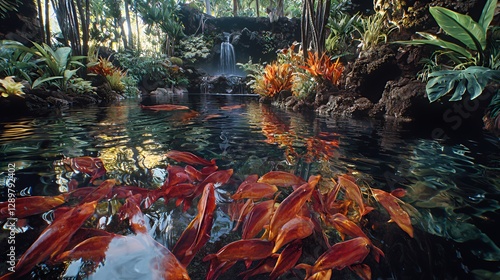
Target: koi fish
x: 100, y: 192
x: 354, y: 193
x: 340, y: 255
x: 281, y: 179
x: 53, y: 239
x: 189, y: 158
x: 254, y: 191
x: 247, y: 249
x: 164, y: 107
x: 296, y: 228
x: 31, y: 205
x: 212, y: 116
x: 391, y: 204
x: 257, y: 218
x: 265, y: 266
x: 89, y: 165
x: 287, y: 259
x: 288, y: 208
x: 232, y: 107
x: 198, y: 231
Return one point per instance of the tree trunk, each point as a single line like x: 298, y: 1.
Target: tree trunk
x: 280, y: 10
x: 138, y: 30
x: 48, y: 36
x: 129, y: 25
x: 313, y: 25
x: 40, y: 19
x: 257, y: 7
x: 208, y: 7
x: 235, y: 8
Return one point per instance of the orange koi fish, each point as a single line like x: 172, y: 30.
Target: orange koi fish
x: 296, y: 228
x: 265, y: 266
x: 354, y: 193
x: 289, y: 207
x: 391, y: 204
x: 31, y: 205
x: 89, y: 165
x: 257, y: 218
x: 232, y: 107
x: 287, y: 259
x: 340, y: 255
x: 247, y: 249
x: 164, y: 107
x: 347, y: 227
x: 281, y: 179
x: 53, y: 239
x: 100, y: 192
x: 198, y: 231
x: 189, y: 158
x: 255, y: 191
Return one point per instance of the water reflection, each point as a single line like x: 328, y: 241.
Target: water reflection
x: 453, y: 188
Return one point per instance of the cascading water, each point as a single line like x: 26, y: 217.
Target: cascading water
x: 227, y: 57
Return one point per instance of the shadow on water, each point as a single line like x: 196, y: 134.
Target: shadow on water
x: 452, y: 186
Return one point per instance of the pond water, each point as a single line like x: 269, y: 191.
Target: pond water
x: 453, y: 186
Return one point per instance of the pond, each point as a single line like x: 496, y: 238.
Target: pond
x: 453, y: 186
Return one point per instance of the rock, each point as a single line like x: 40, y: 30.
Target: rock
x: 371, y: 71
x: 345, y: 106
x: 403, y: 99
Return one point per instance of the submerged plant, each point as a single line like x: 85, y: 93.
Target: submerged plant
x: 10, y: 87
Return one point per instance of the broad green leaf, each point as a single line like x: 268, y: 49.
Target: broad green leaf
x: 62, y: 55
x: 41, y: 80
x: 472, y: 80
x: 433, y: 40
x: 487, y: 14
x: 460, y: 27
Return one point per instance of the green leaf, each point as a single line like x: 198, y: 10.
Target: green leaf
x: 472, y: 80
x: 434, y: 40
x: 460, y: 27
x: 487, y: 14
x: 41, y: 80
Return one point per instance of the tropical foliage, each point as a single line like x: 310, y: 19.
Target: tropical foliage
x: 291, y: 72
x: 10, y: 87
x: 472, y: 58
x: 373, y: 30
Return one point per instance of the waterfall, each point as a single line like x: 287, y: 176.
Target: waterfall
x: 227, y: 57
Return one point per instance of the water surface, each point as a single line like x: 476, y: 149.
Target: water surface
x: 453, y: 186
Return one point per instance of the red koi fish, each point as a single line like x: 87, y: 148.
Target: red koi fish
x: 362, y: 270
x: 232, y: 107
x: 30, y: 205
x: 189, y: 158
x: 340, y: 255
x: 89, y: 165
x: 247, y: 249
x: 212, y: 116
x: 391, y: 204
x: 265, y: 266
x: 197, y: 233
x: 100, y: 192
x: 53, y: 240
x: 296, y: 228
x: 288, y: 208
x: 257, y: 218
x: 93, y: 248
x: 354, y: 193
x: 255, y: 191
x: 281, y: 179
x: 287, y: 259
x: 164, y: 107
x: 347, y: 227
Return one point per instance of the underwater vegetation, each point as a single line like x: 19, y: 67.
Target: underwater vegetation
x: 280, y: 215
